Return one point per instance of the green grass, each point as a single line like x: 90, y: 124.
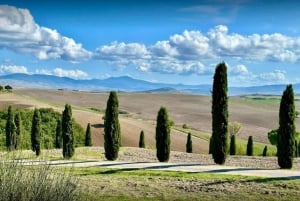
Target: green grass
x: 116, y: 184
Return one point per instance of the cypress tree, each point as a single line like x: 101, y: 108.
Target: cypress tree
x: 162, y: 135
x: 265, y: 151
x: 210, y: 148
x: 88, y: 136
x: 67, y: 133
x: 296, y: 149
x: 250, y: 146
x: 58, y: 135
x: 189, y: 144
x: 18, y: 123
x: 220, y: 115
x: 10, y: 130
x: 35, y: 132
x: 112, y: 130
x: 299, y: 149
x: 286, y: 131
x: 232, y: 149
x: 142, y: 140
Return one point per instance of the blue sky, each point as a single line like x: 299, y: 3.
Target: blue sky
x: 159, y: 41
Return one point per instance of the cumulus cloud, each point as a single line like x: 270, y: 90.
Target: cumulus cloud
x: 6, y: 69
x: 75, y: 74
x: 190, y: 51
x: 276, y: 75
x: 20, y: 33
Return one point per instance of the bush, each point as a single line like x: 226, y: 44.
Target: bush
x: 37, y: 182
x: 250, y: 146
x: 185, y: 126
x: 265, y: 151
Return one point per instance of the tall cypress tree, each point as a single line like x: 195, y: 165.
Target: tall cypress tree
x: 286, y: 131
x: 67, y: 132
x: 163, y: 135
x: 10, y: 130
x: 18, y: 123
x: 210, y: 146
x: 250, y: 146
x: 189, y: 144
x: 58, y: 135
x: 220, y: 115
x: 35, y: 132
x: 265, y: 151
x: 232, y: 149
x: 112, y: 130
x: 88, y: 136
x: 142, y: 140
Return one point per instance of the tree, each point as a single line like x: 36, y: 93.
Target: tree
x: 286, y: 131
x: 272, y: 136
x: 10, y: 130
x: 189, y: 144
x: 67, y: 132
x: 112, y: 130
x: 18, y: 123
x: 88, y: 136
x: 210, y: 148
x: 162, y: 135
x: 232, y: 145
x: 58, y: 134
x: 250, y: 146
x: 233, y: 128
x: 220, y: 114
x: 296, y: 149
x: 142, y: 140
x: 265, y: 151
x: 35, y: 132
x: 299, y: 149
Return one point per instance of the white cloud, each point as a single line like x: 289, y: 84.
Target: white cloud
x: 20, y: 33
x: 7, y: 69
x: 275, y: 76
x: 75, y: 74
x: 182, y: 53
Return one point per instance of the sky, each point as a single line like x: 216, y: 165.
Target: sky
x: 157, y: 41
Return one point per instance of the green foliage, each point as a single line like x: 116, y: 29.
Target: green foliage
x: 162, y: 135
x: 10, y: 130
x: 272, y: 136
x: 67, y: 132
x: 233, y: 128
x: 88, y: 136
x: 185, y: 126
x: 48, y: 125
x: 58, y: 135
x: 296, y: 149
x: 189, y: 144
x: 286, y: 131
x: 249, y: 151
x: 36, y: 132
x: 142, y: 140
x: 18, y: 123
x: 112, y: 130
x: 265, y: 151
x: 220, y: 114
x: 232, y: 149
x: 1, y: 88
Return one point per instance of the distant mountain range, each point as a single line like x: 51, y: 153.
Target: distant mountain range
x: 127, y: 84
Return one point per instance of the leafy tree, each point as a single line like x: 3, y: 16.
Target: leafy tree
x: 162, y: 135
x: 112, y: 130
x: 142, y: 140
x: 233, y: 128
x: 189, y: 144
x: 58, y: 134
x: 88, y: 136
x: 36, y: 132
x: 232, y: 145
x: 272, y: 136
x: 286, y: 131
x: 10, y: 130
x: 250, y: 146
x: 67, y: 132
x: 265, y: 151
x: 18, y: 123
x: 220, y: 114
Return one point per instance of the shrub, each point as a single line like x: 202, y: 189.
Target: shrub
x: 162, y: 135
x: 189, y: 144
x: 142, y: 140
x: 185, y: 126
x: 112, y: 130
x: 265, y: 151
x: 220, y: 114
x: 250, y: 146
x: 232, y: 145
